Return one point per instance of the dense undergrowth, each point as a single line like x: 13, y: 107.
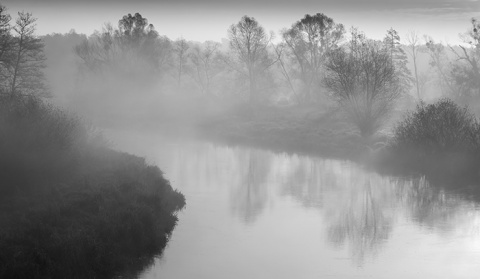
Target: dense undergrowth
x: 70, y: 207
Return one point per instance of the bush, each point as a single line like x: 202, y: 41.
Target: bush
x: 438, y: 128
x: 441, y: 140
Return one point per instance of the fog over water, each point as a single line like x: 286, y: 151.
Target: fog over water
x: 257, y: 214
x: 240, y: 139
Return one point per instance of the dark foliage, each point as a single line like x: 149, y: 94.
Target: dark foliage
x: 71, y: 207
x: 440, y: 139
x: 439, y: 127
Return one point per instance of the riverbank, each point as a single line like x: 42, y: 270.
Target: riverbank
x: 304, y: 130
x: 71, y: 207
x: 326, y: 133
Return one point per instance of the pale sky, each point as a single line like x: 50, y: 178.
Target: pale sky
x: 201, y: 20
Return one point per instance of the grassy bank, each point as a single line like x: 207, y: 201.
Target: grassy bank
x: 70, y: 207
x: 307, y: 130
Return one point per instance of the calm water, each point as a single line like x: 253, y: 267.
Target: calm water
x: 256, y: 214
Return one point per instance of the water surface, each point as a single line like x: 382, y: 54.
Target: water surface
x: 256, y: 214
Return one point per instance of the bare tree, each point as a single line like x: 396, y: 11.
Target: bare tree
x: 440, y: 62
x: 5, y: 35
x: 466, y: 70
x: 399, y: 59
x: 413, y: 45
x: 25, y: 76
x: 205, y: 67
x: 248, y: 42
x: 132, y: 49
x: 309, y: 41
x: 280, y: 52
x: 180, y: 51
x: 363, y: 80
x: 5, y: 48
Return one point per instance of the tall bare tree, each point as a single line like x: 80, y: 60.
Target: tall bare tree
x: 363, y: 80
x: 25, y: 75
x: 5, y: 36
x: 309, y: 41
x: 466, y: 70
x: 5, y: 49
x: 413, y: 45
x: 249, y: 42
x: 205, y: 64
x: 440, y: 62
x: 180, y: 52
x: 398, y: 57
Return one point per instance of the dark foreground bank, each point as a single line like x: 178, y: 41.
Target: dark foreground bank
x: 70, y: 207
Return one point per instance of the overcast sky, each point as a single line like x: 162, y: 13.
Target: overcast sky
x: 201, y: 20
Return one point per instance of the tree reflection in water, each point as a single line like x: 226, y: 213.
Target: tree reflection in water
x: 359, y: 209
x: 363, y: 220
x: 249, y: 197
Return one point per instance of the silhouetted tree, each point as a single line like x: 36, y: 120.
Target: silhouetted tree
x: 180, y: 52
x: 5, y: 35
x: 309, y: 41
x: 133, y: 49
x: 363, y: 80
x: 466, y: 71
x: 413, y: 45
x: 248, y: 42
x: 22, y: 58
x: 399, y: 59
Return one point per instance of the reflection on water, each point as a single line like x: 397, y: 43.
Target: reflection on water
x: 256, y: 214
x: 249, y: 196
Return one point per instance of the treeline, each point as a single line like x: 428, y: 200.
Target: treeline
x: 256, y: 67
x: 131, y: 67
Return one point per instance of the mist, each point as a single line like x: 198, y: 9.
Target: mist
x: 321, y: 148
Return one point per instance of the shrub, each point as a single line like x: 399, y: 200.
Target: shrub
x: 438, y: 128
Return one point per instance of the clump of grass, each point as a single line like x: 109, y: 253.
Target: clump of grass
x: 70, y: 206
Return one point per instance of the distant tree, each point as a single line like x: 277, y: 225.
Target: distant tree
x: 5, y: 36
x: 248, y: 43
x: 134, y: 27
x: 466, y: 70
x: 204, y: 60
x: 22, y: 58
x: 440, y: 62
x: 361, y: 76
x: 413, y: 45
x: 309, y: 41
x: 180, y: 59
x: 398, y: 57
x: 132, y: 49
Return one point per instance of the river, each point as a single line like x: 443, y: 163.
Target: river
x: 255, y: 214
